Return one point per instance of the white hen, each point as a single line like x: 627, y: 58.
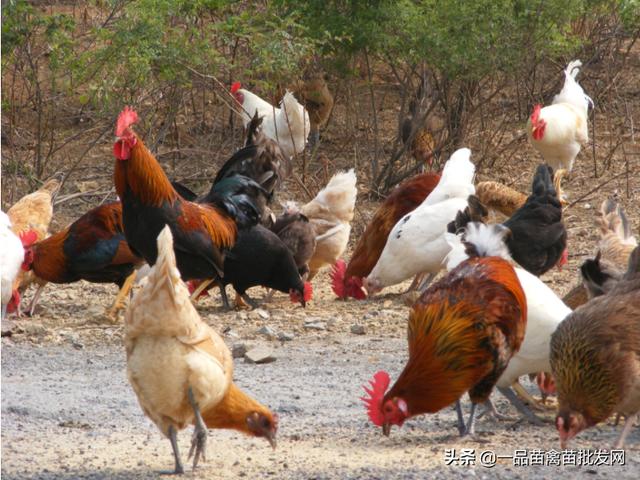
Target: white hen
x: 416, y: 243
x: 559, y: 130
x: 287, y: 125
x: 545, y: 311
x: 11, y: 257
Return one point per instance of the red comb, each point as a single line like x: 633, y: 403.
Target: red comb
x: 355, y: 288
x: 379, y: 386
x: 28, y: 238
x: 535, y: 115
x: 235, y: 86
x: 308, y: 291
x: 127, y: 117
x: 337, y: 278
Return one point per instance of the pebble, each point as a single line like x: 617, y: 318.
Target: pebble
x: 267, y: 331
x: 286, y: 336
x: 315, y: 325
x: 238, y: 350
x: 358, y: 329
x: 260, y: 355
x: 262, y: 313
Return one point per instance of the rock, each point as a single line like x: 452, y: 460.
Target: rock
x: 94, y: 311
x: 286, y: 336
x: 238, y: 350
x: 387, y: 303
x: 230, y: 333
x: 358, y: 329
x: 315, y: 325
x: 260, y: 312
x: 260, y: 355
x: 267, y: 331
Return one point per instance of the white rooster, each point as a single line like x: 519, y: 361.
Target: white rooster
x: 416, y: 243
x: 11, y: 258
x: 559, y: 130
x: 288, y: 125
x: 545, y: 311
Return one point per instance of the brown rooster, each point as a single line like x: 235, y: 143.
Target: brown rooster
x: 462, y: 332
x: 595, y: 359
x: 318, y: 101
x: 347, y: 279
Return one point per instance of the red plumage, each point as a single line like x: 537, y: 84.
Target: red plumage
x: 404, y: 199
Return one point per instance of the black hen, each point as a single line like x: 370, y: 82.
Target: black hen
x: 260, y: 258
x: 299, y: 236
x: 538, y: 237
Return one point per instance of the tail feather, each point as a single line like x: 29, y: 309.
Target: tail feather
x: 571, y: 91
x: 572, y: 69
x: 543, y: 181
x: 253, y: 130
x: 164, y: 274
x: 614, y: 220
x: 474, y: 212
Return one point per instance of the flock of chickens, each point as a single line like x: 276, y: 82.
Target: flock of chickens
x: 485, y: 323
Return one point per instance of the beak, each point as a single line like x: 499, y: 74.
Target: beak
x: 271, y: 438
x: 386, y: 429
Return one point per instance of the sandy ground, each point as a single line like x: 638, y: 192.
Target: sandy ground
x: 68, y: 411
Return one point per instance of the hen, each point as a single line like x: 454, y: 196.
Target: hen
x: 92, y: 248
x: 288, y: 125
x: 416, y: 243
x: 347, y: 279
x: 538, y: 239
x: 595, y: 359
x: 330, y: 213
x: 462, y: 332
x: 318, y: 101
x: 544, y: 312
x: 499, y: 197
x: 11, y: 258
x: 179, y: 368
x: 297, y: 233
x: 202, y: 233
x: 559, y: 130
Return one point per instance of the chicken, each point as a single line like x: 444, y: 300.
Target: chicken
x: 595, y: 359
x: 347, y: 279
x: 499, y: 197
x: 180, y: 368
x: 299, y: 236
x: 261, y: 160
x: 318, y: 100
x: 202, y: 233
x: 288, y: 125
x: 33, y: 212
x: 538, y: 239
x: 462, y: 332
x: 416, y: 243
x: 544, y: 309
x: 559, y: 130
x: 11, y: 259
x: 330, y: 213
x: 423, y: 142
x: 93, y: 248
x: 615, y: 245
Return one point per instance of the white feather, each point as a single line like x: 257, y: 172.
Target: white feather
x: 11, y: 257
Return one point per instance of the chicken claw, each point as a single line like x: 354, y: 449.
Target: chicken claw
x: 199, y: 439
x: 179, y: 469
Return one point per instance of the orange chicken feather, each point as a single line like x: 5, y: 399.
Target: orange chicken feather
x: 462, y: 333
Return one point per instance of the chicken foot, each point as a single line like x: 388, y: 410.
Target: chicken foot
x: 223, y: 295
x: 126, y: 288
x: 199, y: 439
x: 243, y: 301
x: 173, y: 438
x: 520, y: 405
x: 470, y: 428
x: 526, y: 396
x: 32, y: 306
x: 628, y: 424
x: 490, y: 408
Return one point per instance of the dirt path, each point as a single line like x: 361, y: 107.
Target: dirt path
x: 68, y: 411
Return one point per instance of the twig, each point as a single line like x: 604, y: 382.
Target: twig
x: 594, y: 189
x: 93, y: 193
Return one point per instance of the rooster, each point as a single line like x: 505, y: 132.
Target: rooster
x: 538, y: 239
x: 92, y: 248
x: 416, y: 243
x: 202, y: 233
x: 288, y: 125
x: 179, y: 368
x: 330, y: 213
x: 11, y: 258
x: 595, y: 359
x: 559, y: 130
x: 545, y: 311
x: 347, y: 279
x: 462, y: 332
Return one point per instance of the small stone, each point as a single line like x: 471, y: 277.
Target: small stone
x: 587, y: 206
x: 261, y: 313
x: 358, y: 329
x: 286, y: 336
x: 232, y: 334
x: 267, y: 331
x: 260, y: 355
x: 238, y: 350
x: 315, y: 325
x: 387, y: 303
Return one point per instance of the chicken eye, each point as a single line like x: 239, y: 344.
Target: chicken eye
x: 265, y: 423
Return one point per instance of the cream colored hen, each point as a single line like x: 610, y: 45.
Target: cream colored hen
x: 177, y: 365
x: 330, y: 213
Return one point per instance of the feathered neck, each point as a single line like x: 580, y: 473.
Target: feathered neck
x: 143, y: 176
x: 49, y: 259
x: 233, y: 410
x: 445, y: 356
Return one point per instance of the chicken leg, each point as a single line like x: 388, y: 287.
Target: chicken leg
x: 126, y: 288
x: 173, y: 438
x: 461, y: 427
x: 557, y: 184
x: 34, y: 301
x: 520, y: 405
x: 625, y: 431
x: 199, y: 439
x: 526, y: 396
